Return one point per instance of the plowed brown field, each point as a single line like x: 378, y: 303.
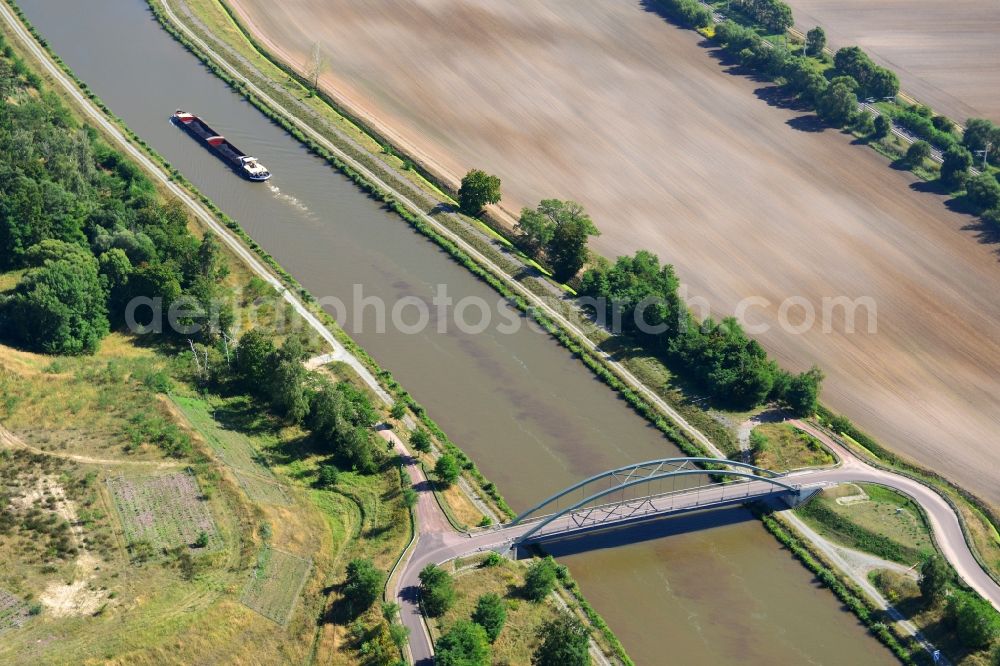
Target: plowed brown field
x: 606, y: 103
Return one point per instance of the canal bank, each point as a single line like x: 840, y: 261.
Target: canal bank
x: 565, y: 423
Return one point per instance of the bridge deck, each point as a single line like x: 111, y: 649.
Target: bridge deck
x: 616, y: 514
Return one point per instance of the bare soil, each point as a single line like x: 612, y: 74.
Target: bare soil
x: 608, y: 104
x: 946, y: 53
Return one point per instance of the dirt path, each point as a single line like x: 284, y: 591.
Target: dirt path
x: 856, y: 566
x: 609, y: 104
x: 9, y: 439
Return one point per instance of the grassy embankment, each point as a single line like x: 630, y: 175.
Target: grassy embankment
x: 872, y: 519
x: 783, y: 447
x: 979, y: 520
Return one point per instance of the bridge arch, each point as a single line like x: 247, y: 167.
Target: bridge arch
x: 632, y: 476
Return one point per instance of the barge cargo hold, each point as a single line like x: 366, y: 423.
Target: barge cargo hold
x: 243, y: 164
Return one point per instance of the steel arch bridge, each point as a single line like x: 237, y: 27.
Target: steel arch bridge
x: 649, y: 490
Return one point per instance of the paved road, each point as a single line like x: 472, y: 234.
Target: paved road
x: 942, y: 518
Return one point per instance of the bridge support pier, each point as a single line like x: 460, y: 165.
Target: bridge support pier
x: 792, y: 500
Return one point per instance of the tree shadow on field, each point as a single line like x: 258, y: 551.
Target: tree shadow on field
x: 658, y: 8
x: 731, y: 65
x: 780, y: 98
x: 807, y: 123
x: 987, y: 234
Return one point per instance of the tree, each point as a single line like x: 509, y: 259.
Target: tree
x: 873, y: 80
x: 955, y: 165
x: 803, y: 391
x: 421, y: 440
x: 478, y: 189
x: 490, y: 614
x: 980, y: 132
x: 287, y: 382
x: 837, y: 105
x: 540, y: 579
x: 342, y: 416
x: 934, y: 578
x: 917, y: 153
x: 61, y: 306
x: 567, y: 251
x: 882, y: 83
x: 804, y: 80
x: 564, y: 642
x: 983, y: 191
x: 562, y: 229
x: 535, y: 230
x: 437, y: 593
x: 328, y: 476
x: 815, y: 42
x: 446, y: 469
x: 363, y: 586
x: 881, y: 127
x: 156, y: 281
x: 995, y: 656
x: 465, y: 644
x: 975, y: 621
x: 202, y: 540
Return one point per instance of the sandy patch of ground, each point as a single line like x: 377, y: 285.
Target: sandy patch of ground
x: 608, y: 104
x: 946, y: 52
x: 75, y: 598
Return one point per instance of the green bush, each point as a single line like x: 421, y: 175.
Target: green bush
x: 490, y: 614
x: 540, y: 579
x: 975, y: 621
x: 437, y: 591
x: 446, y: 469
x: 917, y: 153
x: 983, y: 191
x: 465, y: 644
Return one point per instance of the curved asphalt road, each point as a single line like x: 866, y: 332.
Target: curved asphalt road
x: 942, y: 518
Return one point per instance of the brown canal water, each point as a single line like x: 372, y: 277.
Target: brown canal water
x: 705, y: 589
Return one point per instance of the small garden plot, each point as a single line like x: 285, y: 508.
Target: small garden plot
x: 163, y: 511
x: 275, y: 585
x: 13, y: 612
x: 263, y: 490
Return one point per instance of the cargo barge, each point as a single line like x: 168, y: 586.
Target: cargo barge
x: 243, y: 164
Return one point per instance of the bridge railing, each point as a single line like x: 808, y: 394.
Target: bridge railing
x: 622, y: 477
x: 768, y: 486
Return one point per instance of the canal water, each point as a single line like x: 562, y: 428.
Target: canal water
x: 706, y: 589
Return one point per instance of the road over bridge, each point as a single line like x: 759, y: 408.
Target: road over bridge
x: 661, y: 489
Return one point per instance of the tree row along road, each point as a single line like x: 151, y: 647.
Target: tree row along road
x: 437, y: 541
